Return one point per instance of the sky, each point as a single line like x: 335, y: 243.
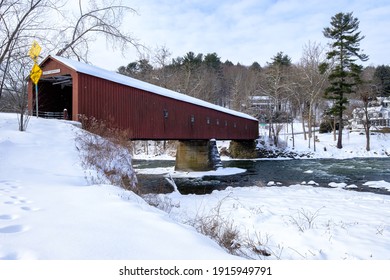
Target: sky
x: 245, y: 31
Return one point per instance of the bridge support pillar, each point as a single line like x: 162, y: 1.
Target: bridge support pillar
x: 197, y: 155
x: 243, y: 149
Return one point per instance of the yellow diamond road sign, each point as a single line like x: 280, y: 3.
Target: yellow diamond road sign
x: 34, y: 51
x: 35, y: 73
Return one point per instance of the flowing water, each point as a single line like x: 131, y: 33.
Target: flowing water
x: 355, y: 171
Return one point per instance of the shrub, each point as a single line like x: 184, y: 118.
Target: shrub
x: 325, y: 127
x: 161, y: 202
x: 106, y: 153
x: 223, y: 231
x: 227, y: 234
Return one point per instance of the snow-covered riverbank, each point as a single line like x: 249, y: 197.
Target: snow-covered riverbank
x: 49, y: 211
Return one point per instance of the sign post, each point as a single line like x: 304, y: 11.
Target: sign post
x: 35, y: 74
x: 36, y: 71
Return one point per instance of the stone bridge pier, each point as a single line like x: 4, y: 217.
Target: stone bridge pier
x: 197, y: 155
x: 202, y: 155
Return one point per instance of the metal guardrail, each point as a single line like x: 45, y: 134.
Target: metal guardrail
x: 50, y: 115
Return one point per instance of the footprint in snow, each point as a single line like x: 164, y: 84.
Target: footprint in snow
x: 26, y: 208
x: 19, y: 200
x: 21, y: 255
x: 13, y: 229
x: 8, y: 217
x: 8, y: 187
x: 12, y: 202
x: 17, y: 197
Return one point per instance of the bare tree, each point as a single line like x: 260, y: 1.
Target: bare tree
x: 15, y: 91
x: 366, y: 92
x: 296, y: 100
x: 20, y: 23
x: 275, y: 85
x: 103, y: 17
x: 160, y: 59
x: 313, y: 81
x: 243, y: 87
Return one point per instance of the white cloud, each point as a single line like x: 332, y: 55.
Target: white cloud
x: 250, y: 30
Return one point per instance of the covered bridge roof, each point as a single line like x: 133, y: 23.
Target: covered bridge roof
x: 143, y: 110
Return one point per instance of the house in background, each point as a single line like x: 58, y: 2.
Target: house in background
x: 378, y: 114
x: 261, y: 106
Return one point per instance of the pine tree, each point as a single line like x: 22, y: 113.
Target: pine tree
x: 382, y: 80
x: 345, y: 74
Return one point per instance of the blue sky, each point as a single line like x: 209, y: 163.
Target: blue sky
x: 249, y: 30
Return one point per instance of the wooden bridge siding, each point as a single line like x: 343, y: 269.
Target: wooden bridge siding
x: 143, y: 113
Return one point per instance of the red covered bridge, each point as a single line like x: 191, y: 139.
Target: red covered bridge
x: 147, y: 111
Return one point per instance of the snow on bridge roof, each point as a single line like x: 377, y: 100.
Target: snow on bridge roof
x: 128, y: 81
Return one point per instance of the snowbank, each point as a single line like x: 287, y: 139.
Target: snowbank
x: 48, y: 211
x: 298, y: 222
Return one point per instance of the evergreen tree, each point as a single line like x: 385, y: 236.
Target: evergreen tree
x: 281, y: 59
x: 255, y: 66
x: 345, y: 74
x: 228, y: 63
x: 382, y: 80
x: 212, y: 60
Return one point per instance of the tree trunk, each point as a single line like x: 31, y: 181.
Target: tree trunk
x: 274, y: 136
x: 368, y: 139
x: 21, y: 122
x: 367, y: 127
x: 340, y: 136
x: 314, y: 130
x: 303, y: 126
x: 309, y: 121
x: 292, y: 134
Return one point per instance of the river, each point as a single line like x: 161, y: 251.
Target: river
x: 356, y: 171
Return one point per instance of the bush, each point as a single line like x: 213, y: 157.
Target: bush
x: 325, y: 127
x: 226, y: 233
x: 223, y: 231
x: 106, y: 154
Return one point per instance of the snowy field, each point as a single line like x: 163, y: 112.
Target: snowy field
x: 49, y: 211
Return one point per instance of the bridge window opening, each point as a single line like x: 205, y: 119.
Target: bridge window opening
x: 192, y: 119
x: 226, y: 123
x: 217, y: 121
x: 55, y: 95
x: 208, y: 120
x: 165, y: 114
x: 234, y: 125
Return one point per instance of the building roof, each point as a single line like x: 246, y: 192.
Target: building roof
x: 128, y: 81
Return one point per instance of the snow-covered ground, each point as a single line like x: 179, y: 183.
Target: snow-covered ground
x: 49, y: 211
x: 354, y: 145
